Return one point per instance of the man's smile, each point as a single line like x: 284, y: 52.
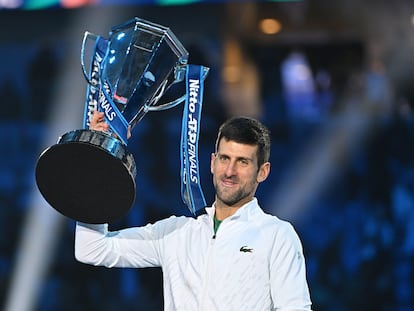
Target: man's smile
x: 228, y: 182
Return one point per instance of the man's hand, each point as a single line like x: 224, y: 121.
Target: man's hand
x: 98, y: 123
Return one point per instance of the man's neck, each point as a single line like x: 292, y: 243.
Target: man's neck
x: 223, y: 211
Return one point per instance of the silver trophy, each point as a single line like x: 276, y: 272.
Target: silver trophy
x: 89, y: 175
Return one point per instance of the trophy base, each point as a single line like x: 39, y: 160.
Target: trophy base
x: 88, y: 176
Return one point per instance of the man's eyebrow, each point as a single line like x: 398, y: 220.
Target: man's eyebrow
x: 245, y: 158
x: 222, y: 154
x: 238, y: 158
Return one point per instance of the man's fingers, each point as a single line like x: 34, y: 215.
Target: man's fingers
x: 97, y: 116
x: 98, y: 122
x: 101, y: 127
x: 129, y: 132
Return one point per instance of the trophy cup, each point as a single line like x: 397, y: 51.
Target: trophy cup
x: 89, y: 175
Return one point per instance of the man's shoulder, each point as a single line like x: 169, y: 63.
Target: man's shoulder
x: 182, y: 221
x: 272, y: 222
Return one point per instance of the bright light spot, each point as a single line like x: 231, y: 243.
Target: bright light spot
x: 111, y: 59
x: 301, y: 71
x: 270, y: 26
x: 120, y: 36
x: 10, y: 4
x: 70, y: 4
x: 296, y: 73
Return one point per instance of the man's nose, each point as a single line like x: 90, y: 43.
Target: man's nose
x: 231, y: 168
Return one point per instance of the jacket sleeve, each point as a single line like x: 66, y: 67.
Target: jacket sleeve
x: 289, y: 287
x: 133, y: 247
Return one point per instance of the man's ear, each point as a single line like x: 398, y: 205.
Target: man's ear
x: 264, y: 171
x: 213, y: 157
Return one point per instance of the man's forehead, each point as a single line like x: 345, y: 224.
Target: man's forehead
x: 237, y: 149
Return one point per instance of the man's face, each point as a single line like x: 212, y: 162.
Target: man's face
x: 235, y: 173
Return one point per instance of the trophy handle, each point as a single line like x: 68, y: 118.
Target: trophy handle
x: 179, y: 77
x: 86, y: 36
x: 166, y: 106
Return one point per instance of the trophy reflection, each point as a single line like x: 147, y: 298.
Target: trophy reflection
x: 89, y: 175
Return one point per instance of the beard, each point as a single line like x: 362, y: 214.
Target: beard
x: 232, y: 197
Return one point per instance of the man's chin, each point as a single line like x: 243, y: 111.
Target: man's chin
x: 230, y: 201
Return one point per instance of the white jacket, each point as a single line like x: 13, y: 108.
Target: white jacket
x: 254, y: 262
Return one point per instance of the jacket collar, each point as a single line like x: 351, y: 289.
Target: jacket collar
x: 242, y: 213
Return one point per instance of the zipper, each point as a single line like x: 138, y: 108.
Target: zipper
x: 207, y: 273
x: 206, y: 278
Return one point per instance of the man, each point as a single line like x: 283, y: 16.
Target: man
x: 235, y: 257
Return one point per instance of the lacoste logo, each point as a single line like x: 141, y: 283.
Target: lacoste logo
x: 246, y: 249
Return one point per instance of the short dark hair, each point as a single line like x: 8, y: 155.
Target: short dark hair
x: 249, y: 131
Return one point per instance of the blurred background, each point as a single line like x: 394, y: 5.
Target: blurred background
x: 334, y: 82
